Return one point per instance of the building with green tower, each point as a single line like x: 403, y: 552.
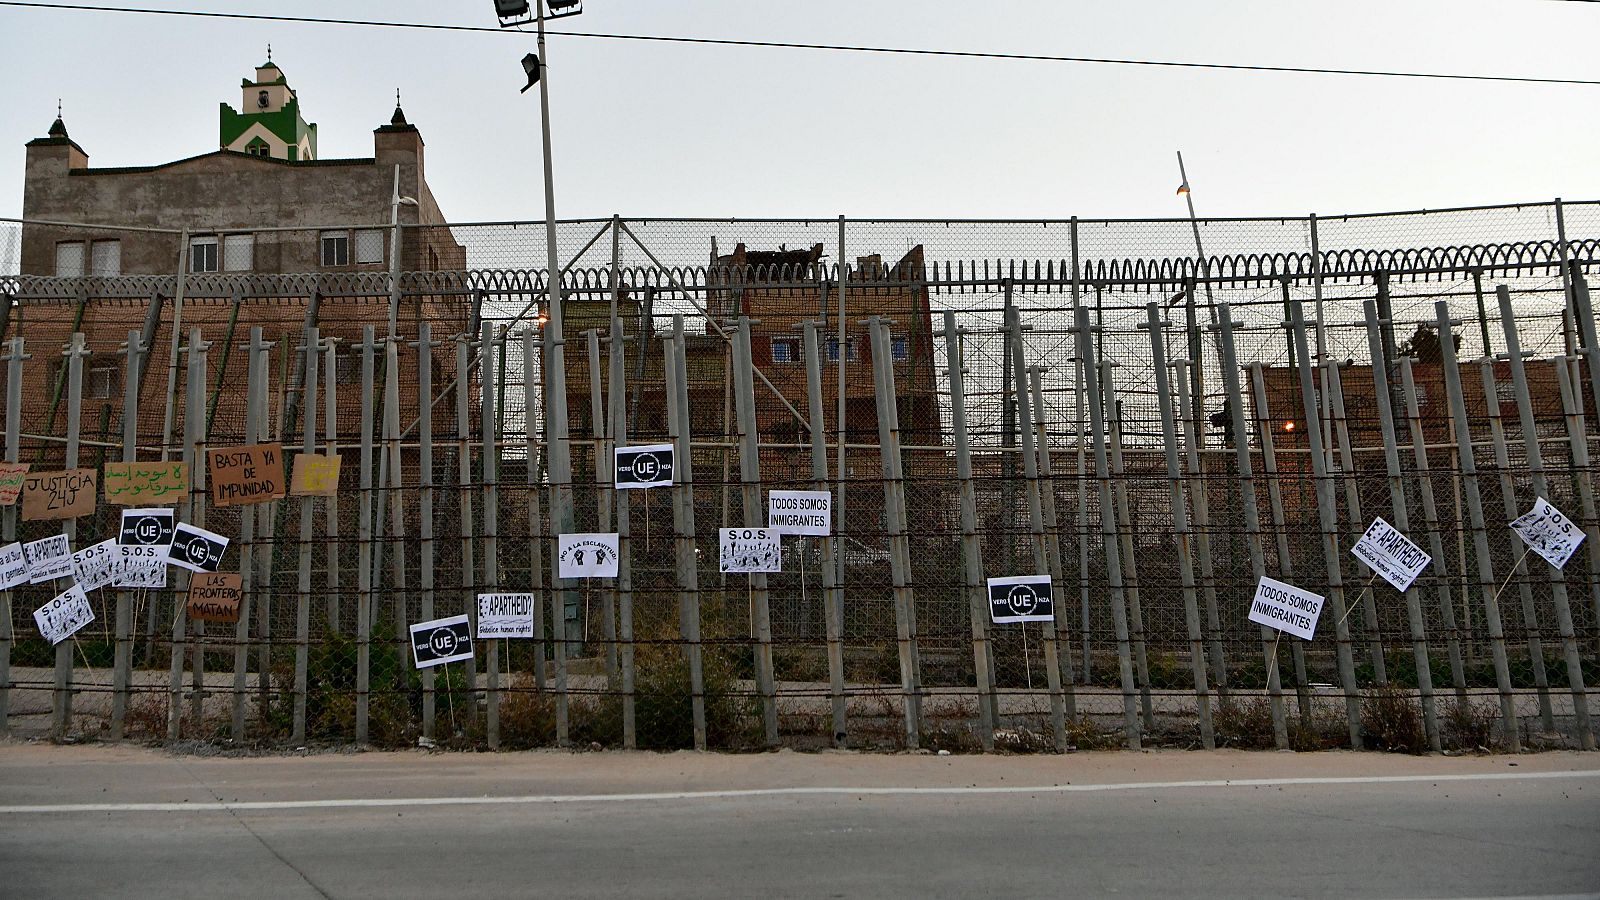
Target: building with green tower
x: 268, y: 121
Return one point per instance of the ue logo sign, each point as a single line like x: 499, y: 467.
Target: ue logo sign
x: 1021, y: 598
x: 441, y: 641
x: 644, y: 467
x: 146, y: 527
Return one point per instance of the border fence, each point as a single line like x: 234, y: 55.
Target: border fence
x: 1153, y: 415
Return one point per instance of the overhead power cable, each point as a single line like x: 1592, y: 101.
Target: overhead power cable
x: 849, y: 48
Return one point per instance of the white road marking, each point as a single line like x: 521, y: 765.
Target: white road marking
x: 377, y: 802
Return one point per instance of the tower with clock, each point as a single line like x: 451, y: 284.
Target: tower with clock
x: 268, y: 121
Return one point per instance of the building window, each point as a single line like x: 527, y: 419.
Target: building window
x: 900, y: 348
x: 105, y: 258
x: 369, y: 246
x: 203, y: 254
x: 238, y: 252
x: 833, y: 349
x: 103, y: 382
x: 258, y: 147
x: 336, y: 248
x: 785, y: 351
x: 69, y: 259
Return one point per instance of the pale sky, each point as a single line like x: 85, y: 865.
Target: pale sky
x: 657, y: 130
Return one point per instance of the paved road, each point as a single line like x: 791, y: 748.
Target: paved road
x: 108, y: 821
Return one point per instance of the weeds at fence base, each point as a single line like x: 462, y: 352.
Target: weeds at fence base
x: 1469, y: 726
x: 1392, y: 722
x: 1247, y: 725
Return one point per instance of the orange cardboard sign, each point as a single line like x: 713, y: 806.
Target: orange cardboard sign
x: 11, y: 477
x: 58, y: 495
x: 215, y: 596
x: 146, y: 483
x: 249, y: 474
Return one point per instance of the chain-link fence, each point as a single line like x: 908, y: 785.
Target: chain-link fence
x: 1150, y: 415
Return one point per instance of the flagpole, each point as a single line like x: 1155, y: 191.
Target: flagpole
x: 1197, y: 370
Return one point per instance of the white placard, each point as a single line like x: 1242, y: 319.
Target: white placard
x: 1550, y: 533
x: 644, y: 466
x: 1021, y: 598
x: 196, y: 549
x: 1391, y: 554
x: 140, y: 567
x: 593, y: 555
x: 750, y: 550
x: 13, y: 566
x: 800, y: 512
x: 63, y: 616
x: 1286, y: 608
x: 48, y: 558
x: 93, y: 566
x: 440, y: 641
x: 505, y: 615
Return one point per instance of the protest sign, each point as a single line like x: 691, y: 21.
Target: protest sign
x: 48, y: 558
x: 1021, y: 598
x: 94, y: 565
x: 11, y: 477
x: 645, y: 466
x: 1391, y: 554
x: 147, y: 527
x: 196, y: 549
x: 441, y: 641
x: 252, y: 473
x: 135, y: 483
x: 64, y: 616
x: 750, y: 550
x: 315, y: 475
x: 1549, y: 533
x: 505, y: 616
x: 800, y: 512
x: 587, y: 555
x: 140, y: 567
x: 216, y: 596
x: 13, y: 566
x: 1286, y: 608
x: 58, y: 495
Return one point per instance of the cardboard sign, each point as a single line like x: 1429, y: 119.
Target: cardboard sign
x: 196, y: 549
x: 1286, y: 608
x: 587, y: 555
x: 1021, y: 598
x: 505, y: 616
x: 64, y: 616
x: 13, y: 566
x: 94, y: 565
x: 750, y: 550
x: 800, y: 512
x: 249, y: 474
x: 147, y: 527
x: 1549, y: 533
x: 216, y: 596
x: 11, y: 477
x: 140, y: 567
x: 136, y: 483
x: 645, y: 466
x: 58, y: 495
x: 48, y: 558
x: 1391, y: 554
x: 315, y: 475
x: 441, y: 641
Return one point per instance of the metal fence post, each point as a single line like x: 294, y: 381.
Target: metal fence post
x: 1130, y: 558
x: 1344, y: 463
x: 1480, y: 539
x: 1381, y: 392
x: 1249, y: 510
x: 1558, y: 587
x: 488, y: 379
x: 14, y: 357
x: 331, y: 527
x: 1578, y: 442
x: 255, y: 597
x: 364, y: 572
x: 469, y: 565
x: 1328, y: 518
x: 750, y: 494
x: 191, y: 510
x: 1520, y: 573
x: 1058, y: 647
x: 558, y: 594
x: 604, y: 495
x: 61, y: 705
x: 122, y: 674
x: 308, y: 445
x: 832, y: 593
x: 536, y: 537
x: 1108, y: 525
x: 679, y: 426
x: 617, y: 393
x: 425, y: 345
x: 1180, y: 526
x: 1198, y: 490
